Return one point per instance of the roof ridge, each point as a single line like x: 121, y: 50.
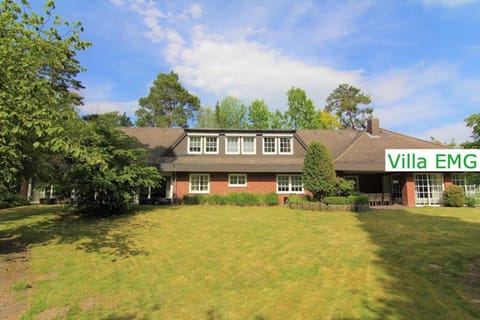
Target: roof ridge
x: 415, y: 138
x: 174, y: 145
x: 359, y: 135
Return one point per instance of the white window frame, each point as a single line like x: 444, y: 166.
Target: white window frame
x: 239, y: 144
x: 274, y: 144
x: 205, y: 145
x: 289, y: 191
x: 459, y: 179
x: 237, y: 185
x: 201, y: 144
x: 428, y: 194
x: 191, y: 176
x: 279, y: 144
x: 254, y: 145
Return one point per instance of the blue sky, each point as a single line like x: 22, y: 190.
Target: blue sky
x: 418, y: 59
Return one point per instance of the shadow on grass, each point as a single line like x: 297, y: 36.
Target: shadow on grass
x: 107, y: 236
x: 425, y: 261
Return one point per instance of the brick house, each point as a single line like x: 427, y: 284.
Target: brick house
x: 221, y: 161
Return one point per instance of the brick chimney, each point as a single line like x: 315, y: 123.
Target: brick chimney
x: 373, y: 126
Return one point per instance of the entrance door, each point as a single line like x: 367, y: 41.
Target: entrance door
x: 428, y: 189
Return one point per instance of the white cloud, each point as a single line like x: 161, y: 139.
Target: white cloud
x: 195, y: 10
x: 448, y: 3
x: 457, y: 131
x: 99, y: 107
x: 151, y: 16
x: 250, y: 70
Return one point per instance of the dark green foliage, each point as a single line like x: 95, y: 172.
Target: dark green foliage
x: 271, y: 199
x: 473, y: 122
x: 353, y: 199
x: 258, y: 115
x: 301, y: 111
x: 344, y: 102
x: 296, y: 199
x: 38, y: 88
x: 168, y: 104
x: 319, y: 171
x: 454, y: 196
x: 107, y: 187
x: 192, y: 199
x: 344, y: 187
x: 241, y: 199
x: 9, y: 200
x: 470, y: 201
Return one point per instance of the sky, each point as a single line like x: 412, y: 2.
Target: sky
x: 419, y: 60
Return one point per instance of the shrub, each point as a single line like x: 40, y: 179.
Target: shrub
x: 192, y: 199
x: 9, y: 200
x: 271, y: 199
x: 243, y: 199
x: 297, y: 199
x: 470, y: 201
x: 453, y: 196
x: 344, y: 187
x: 216, y: 199
x: 319, y: 171
x: 353, y: 199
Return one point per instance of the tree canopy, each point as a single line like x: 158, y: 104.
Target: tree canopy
x: 168, y: 104
x: 345, y: 102
x: 301, y: 111
x: 38, y: 87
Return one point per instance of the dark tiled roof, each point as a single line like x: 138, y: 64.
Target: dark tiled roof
x: 367, y: 152
x: 352, y: 150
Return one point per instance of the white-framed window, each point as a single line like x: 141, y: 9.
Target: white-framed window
x: 459, y: 179
x: 289, y: 183
x: 232, y: 145
x: 237, y: 180
x: 285, y: 145
x: 428, y: 189
x: 269, y: 145
x: 211, y: 144
x: 248, y: 145
x: 199, y: 183
x: 194, y: 144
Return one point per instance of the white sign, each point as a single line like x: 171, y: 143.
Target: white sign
x: 431, y: 160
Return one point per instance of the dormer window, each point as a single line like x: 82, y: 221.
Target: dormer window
x: 198, y: 144
x: 282, y: 144
x: 241, y: 144
x: 233, y: 145
x: 194, y: 144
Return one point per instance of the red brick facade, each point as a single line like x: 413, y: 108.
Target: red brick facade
x: 256, y: 183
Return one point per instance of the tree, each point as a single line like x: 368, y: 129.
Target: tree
x: 301, y: 111
x: 327, y: 121
x: 231, y: 113
x: 279, y: 120
x: 345, y: 103
x: 114, y: 118
x: 107, y: 187
x: 38, y: 87
x: 168, y: 104
x: 258, y: 115
x: 473, y: 122
x: 206, y: 118
x: 319, y: 171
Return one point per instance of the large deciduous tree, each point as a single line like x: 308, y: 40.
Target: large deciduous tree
x: 345, y: 102
x: 258, y: 115
x: 168, y: 104
x: 38, y: 87
x: 109, y: 186
x: 319, y: 171
x: 301, y: 111
x: 231, y: 113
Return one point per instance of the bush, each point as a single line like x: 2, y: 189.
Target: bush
x: 354, y: 199
x: 470, y: 201
x: 191, y: 200
x: 215, y: 199
x: 271, y: 199
x: 243, y: 199
x: 454, y: 196
x: 344, y: 187
x: 297, y: 199
x: 9, y: 200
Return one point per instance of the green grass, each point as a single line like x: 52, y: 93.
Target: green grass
x: 204, y: 262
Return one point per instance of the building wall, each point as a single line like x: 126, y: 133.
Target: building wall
x: 256, y: 183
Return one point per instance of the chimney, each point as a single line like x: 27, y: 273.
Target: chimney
x: 373, y: 126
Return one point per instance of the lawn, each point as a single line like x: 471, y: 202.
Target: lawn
x: 203, y: 262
